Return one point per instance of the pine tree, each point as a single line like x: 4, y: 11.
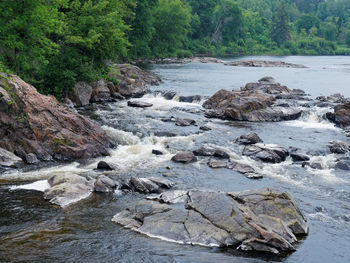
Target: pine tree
x: 280, y: 25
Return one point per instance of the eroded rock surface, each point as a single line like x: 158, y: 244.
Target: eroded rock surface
x: 31, y: 123
x: 264, y: 220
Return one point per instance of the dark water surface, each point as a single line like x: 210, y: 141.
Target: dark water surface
x: 32, y: 230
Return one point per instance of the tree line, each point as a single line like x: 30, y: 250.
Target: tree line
x: 55, y: 43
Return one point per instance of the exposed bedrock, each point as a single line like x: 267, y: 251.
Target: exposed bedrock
x: 264, y: 220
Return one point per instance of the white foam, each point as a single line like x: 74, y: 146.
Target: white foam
x: 121, y: 137
x: 41, y: 186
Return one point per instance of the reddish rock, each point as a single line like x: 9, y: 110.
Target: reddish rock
x: 38, y: 124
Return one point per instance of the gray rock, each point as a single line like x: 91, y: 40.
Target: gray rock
x: 185, y: 122
x: 103, y: 184
x: 204, y: 151
x: 299, y: 157
x: 249, y: 138
x: 189, y: 99
x: 8, y: 159
x: 31, y: 159
x: 217, y: 164
x: 266, y: 152
x: 263, y: 220
x: 162, y: 182
x: 157, y: 152
x: 81, y: 94
x: 184, y: 157
x: 144, y: 185
x: 102, y: 165
x: 205, y: 128
x: 343, y: 164
x: 338, y: 147
x: 244, y: 169
x: 139, y: 104
x: 68, y: 189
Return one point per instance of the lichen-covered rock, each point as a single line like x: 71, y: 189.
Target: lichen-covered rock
x: 263, y: 220
x: 38, y: 124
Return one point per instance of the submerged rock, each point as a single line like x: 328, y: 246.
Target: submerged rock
x: 189, y: 99
x: 185, y: 122
x: 264, y: 220
x: 249, y: 138
x: 38, y: 124
x: 184, y: 157
x: 139, y: 104
x: 217, y: 164
x: 268, y: 153
x: 343, y: 164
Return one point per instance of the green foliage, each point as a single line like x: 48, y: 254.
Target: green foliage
x: 280, y: 25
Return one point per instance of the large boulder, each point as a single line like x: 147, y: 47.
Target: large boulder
x: 101, y: 91
x: 38, y: 124
x: 133, y: 81
x: 267, y: 85
x: 263, y: 220
x: 81, y: 94
x: 268, y: 153
x: 247, y: 106
x: 341, y: 115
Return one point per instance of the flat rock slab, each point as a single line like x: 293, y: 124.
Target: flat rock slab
x: 263, y: 63
x: 8, y: 159
x: 264, y: 220
x: 139, y: 104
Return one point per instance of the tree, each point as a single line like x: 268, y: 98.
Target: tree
x: 229, y: 22
x: 26, y: 31
x: 171, y: 22
x: 280, y: 25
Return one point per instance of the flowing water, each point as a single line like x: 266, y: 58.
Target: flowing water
x: 32, y: 230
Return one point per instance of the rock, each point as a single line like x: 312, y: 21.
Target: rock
x: 103, y: 184
x: 203, y: 151
x: 299, y: 157
x: 165, y: 134
x: 335, y: 98
x: 244, y: 169
x: 247, y: 106
x: 69, y: 104
x: 139, y: 104
x: 101, y: 92
x: 31, y: 159
x: 144, y: 185
x: 190, y: 99
x: 249, y: 138
x: 157, y: 152
x: 8, y: 159
x: 184, y: 157
x: 102, y: 165
x: 133, y: 81
x: 268, y: 153
x: 342, y: 114
x: 264, y: 220
x: 68, y: 189
x: 81, y: 94
x: 205, y: 128
x: 338, y: 147
x: 263, y: 63
x: 169, y: 95
x: 217, y: 164
x: 38, y: 124
x: 162, y: 182
x: 185, y: 122
x: 343, y: 164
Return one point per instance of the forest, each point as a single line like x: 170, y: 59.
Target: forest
x: 54, y: 43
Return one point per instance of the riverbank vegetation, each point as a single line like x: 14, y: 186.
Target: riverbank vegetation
x: 53, y: 44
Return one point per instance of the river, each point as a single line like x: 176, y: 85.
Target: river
x: 32, y: 230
